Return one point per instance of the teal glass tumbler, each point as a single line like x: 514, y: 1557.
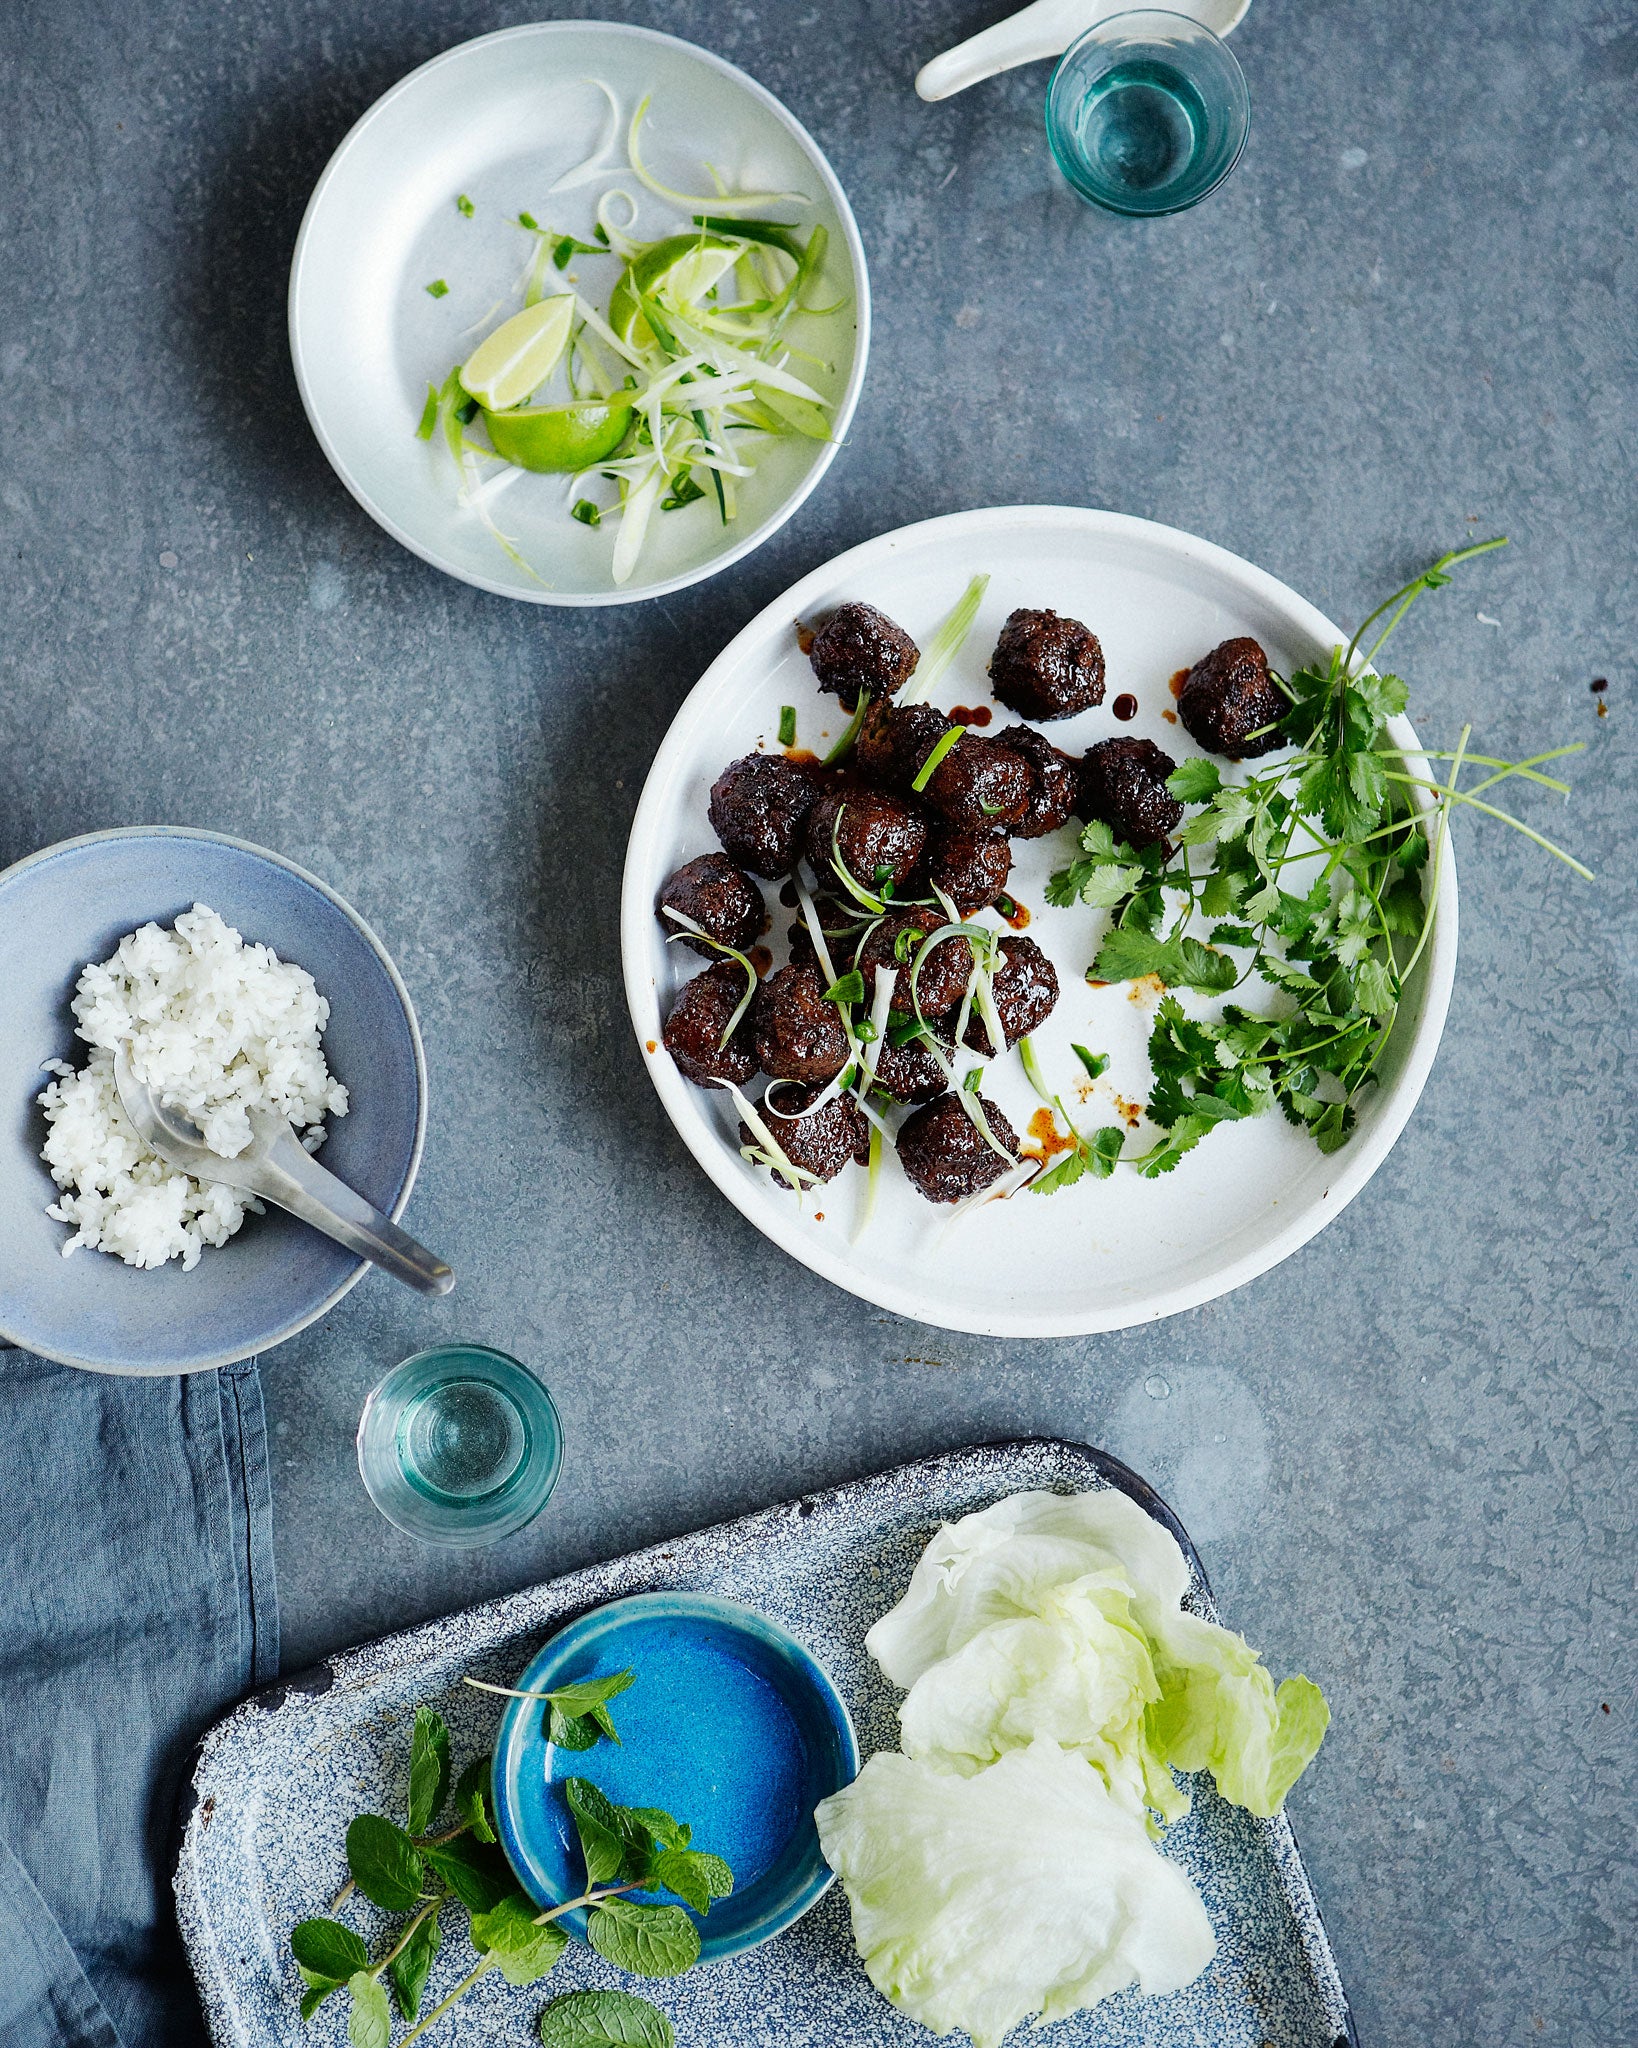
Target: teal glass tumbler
x: 460, y: 1446
x: 1147, y: 113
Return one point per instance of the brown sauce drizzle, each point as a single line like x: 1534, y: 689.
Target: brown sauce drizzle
x: 1170, y: 717
x: 802, y: 757
x: 652, y: 1046
x: 980, y: 714
x: 1125, y: 707
x: 1177, y: 682
x: 804, y: 637
x: 760, y: 958
x: 1045, y: 1140
x: 1012, y: 912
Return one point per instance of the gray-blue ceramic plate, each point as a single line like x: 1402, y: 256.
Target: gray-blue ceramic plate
x: 275, y: 1784
x: 71, y: 904
x: 730, y: 1725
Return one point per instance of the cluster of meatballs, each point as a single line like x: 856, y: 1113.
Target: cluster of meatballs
x: 904, y: 846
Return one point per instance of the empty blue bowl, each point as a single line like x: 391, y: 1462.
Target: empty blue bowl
x: 72, y: 904
x: 730, y: 1726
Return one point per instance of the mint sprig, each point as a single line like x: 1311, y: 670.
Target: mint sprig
x: 411, y: 1871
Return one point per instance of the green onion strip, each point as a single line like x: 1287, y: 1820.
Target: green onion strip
x: 693, y: 930
x: 945, y: 644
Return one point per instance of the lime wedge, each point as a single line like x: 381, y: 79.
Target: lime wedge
x: 561, y: 437
x: 520, y: 355
x: 678, y: 272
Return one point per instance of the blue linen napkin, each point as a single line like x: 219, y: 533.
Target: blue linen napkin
x: 137, y: 1602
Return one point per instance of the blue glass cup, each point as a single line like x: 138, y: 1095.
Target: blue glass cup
x: 1147, y: 113
x: 460, y: 1446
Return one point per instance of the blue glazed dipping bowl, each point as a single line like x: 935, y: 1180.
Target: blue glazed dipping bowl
x: 73, y: 903
x: 730, y: 1726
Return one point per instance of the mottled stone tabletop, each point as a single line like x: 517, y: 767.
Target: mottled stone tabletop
x: 1410, y: 318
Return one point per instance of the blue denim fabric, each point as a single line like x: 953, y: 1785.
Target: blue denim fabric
x: 137, y: 1602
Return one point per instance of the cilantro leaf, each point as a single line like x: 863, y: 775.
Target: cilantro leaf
x: 1195, y: 780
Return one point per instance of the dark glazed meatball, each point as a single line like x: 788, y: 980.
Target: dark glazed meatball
x: 1026, y: 989
x: 982, y: 784
x: 1123, y: 783
x: 797, y: 1033
x: 720, y: 899
x: 879, y: 838
x: 821, y: 1144
x: 860, y: 652
x: 1045, y: 666
x: 895, y: 740
x: 1228, y: 695
x: 1052, y: 801
x: 896, y: 942
x: 699, y: 1016
x: 970, y: 867
x: 758, y: 808
x: 909, y: 1073
x: 944, y: 1153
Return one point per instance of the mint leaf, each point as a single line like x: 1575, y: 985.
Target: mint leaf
x: 669, y: 1833
x: 571, y: 1731
x: 649, y: 1941
x: 582, y: 1694
x: 1094, y: 1062
x: 328, y: 1949
x: 605, y: 2019
x: 429, y: 1769
x: 1195, y: 781
x: 472, y: 1798
x: 385, y: 1863
x: 318, y: 1990
x: 603, y: 1842
x: 523, y: 1949
x: 369, y: 2024
x: 410, y: 1967
x: 696, y: 1877
x: 478, y: 1875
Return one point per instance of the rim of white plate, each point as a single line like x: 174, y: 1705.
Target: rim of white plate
x: 846, y: 406
x: 642, y: 878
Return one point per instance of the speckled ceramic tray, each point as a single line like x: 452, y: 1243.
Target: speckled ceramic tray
x: 276, y: 1782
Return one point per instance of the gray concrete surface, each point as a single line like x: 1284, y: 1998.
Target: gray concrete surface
x: 1411, y: 317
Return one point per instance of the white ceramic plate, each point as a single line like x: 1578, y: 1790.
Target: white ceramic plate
x: 500, y: 119
x: 1100, y: 1255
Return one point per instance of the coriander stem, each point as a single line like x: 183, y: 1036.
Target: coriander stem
x: 486, y: 1964
x: 1462, y: 796
x: 343, y: 1895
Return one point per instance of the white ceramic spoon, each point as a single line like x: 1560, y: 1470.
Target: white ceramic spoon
x: 1046, y: 29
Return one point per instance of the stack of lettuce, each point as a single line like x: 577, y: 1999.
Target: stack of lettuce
x: 1005, y: 1864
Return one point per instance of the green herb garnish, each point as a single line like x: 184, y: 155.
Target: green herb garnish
x: 941, y: 746
x: 415, y: 1871
x: 437, y: 289
x: 787, y: 725
x: 586, y: 512
x: 463, y: 205
x: 1337, y: 818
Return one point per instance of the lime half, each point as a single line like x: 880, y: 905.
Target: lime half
x: 520, y: 355
x: 561, y: 437
x: 678, y: 272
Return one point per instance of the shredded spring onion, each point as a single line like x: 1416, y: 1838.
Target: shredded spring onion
x: 692, y: 930
x: 597, y: 164
x: 945, y: 644
x: 924, y: 774
x: 793, y: 1176
x: 718, y: 202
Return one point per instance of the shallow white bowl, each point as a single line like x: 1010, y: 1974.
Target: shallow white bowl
x: 1098, y: 1256
x: 499, y: 119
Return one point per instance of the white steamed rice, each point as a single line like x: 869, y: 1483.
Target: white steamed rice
x: 217, y: 1028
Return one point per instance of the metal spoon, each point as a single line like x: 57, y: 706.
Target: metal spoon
x: 277, y: 1167
x: 1046, y: 29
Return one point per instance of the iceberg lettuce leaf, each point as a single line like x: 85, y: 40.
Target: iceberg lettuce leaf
x: 1023, y: 1888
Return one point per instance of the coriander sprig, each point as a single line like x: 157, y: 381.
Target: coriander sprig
x: 412, y: 1870
x: 1313, y: 882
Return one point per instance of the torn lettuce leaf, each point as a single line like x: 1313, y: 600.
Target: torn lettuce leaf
x: 1219, y: 1711
x: 1024, y: 1888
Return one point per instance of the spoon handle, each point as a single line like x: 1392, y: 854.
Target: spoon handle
x: 293, y: 1179
x: 1045, y: 29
